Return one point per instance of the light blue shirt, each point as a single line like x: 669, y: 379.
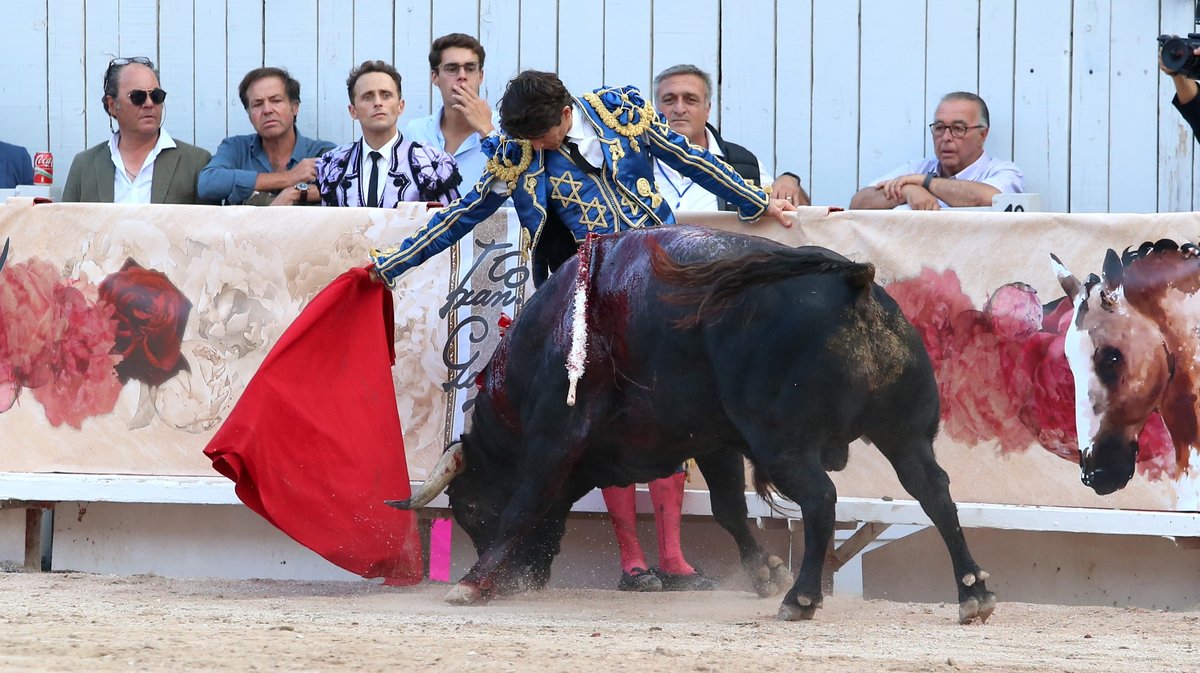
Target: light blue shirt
x: 1003, y: 175
x: 233, y: 170
x: 469, y: 156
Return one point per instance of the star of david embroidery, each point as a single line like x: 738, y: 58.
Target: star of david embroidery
x: 594, y: 222
x: 556, y: 185
x: 591, y: 214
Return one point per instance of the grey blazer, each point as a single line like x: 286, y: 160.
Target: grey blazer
x: 175, y: 173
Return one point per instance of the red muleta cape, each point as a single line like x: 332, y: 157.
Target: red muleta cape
x: 314, y: 444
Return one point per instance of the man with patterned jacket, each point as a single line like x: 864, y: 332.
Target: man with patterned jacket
x: 574, y: 166
x: 383, y: 168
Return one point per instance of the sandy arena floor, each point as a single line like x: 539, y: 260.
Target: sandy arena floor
x: 79, y: 622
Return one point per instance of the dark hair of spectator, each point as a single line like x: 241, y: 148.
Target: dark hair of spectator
x: 372, y: 66
x: 532, y: 104
x: 685, y: 69
x: 292, y: 86
x: 460, y: 40
x: 984, y: 117
x: 112, y: 78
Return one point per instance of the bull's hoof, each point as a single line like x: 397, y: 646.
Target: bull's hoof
x: 977, y: 608
x: 773, y: 578
x: 794, y: 612
x: 465, y: 594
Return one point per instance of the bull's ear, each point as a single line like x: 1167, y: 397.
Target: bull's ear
x: 1070, y: 284
x: 1114, y: 271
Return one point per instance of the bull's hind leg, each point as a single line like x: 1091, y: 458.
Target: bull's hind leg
x: 800, y: 476
x: 926, y: 481
x: 724, y: 473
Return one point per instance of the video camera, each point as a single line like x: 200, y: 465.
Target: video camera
x: 1177, y: 54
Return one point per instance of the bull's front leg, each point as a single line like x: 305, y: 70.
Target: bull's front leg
x: 539, y: 490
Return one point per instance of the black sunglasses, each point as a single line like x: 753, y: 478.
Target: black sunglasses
x: 142, y: 60
x: 138, y: 96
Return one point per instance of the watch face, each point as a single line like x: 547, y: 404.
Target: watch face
x: 302, y: 186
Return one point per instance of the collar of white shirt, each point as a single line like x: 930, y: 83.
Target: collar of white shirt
x: 584, y: 136
x: 138, y: 188
x: 364, y: 169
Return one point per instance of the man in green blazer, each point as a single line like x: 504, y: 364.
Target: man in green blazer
x: 141, y: 163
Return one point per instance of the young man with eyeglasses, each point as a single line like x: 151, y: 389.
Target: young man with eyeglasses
x: 141, y: 163
x: 464, y: 119
x: 274, y: 165
x: 961, y: 174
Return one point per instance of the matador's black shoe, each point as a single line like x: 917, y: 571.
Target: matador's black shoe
x: 639, y: 579
x: 689, y: 582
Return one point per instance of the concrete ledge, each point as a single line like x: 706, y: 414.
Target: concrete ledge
x: 19, y: 488
x: 1027, y: 518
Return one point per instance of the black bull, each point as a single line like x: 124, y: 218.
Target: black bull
x: 700, y: 344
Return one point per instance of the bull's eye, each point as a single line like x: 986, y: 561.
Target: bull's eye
x: 1108, y: 362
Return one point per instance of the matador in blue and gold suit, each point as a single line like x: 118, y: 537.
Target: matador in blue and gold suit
x: 607, y: 187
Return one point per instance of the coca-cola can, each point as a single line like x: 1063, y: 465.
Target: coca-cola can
x: 43, y: 168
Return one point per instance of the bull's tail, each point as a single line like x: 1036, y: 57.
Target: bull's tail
x: 714, y: 286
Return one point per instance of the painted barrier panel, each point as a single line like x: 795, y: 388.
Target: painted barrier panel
x: 98, y: 380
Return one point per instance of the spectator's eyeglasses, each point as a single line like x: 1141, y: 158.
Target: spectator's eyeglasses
x: 138, y: 96
x: 956, y: 130
x: 140, y: 60
x: 453, y: 68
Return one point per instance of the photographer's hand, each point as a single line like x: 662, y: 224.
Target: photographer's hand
x: 1186, y: 88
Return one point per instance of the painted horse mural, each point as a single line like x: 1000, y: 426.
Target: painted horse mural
x: 1133, y: 348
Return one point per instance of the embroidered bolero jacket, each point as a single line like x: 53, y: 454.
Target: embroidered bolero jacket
x: 414, y: 172
x: 545, y: 183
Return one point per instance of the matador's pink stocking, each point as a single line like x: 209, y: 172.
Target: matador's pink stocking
x: 620, y: 503
x: 667, y: 496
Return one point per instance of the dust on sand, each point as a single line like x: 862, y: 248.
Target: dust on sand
x: 81, y: 622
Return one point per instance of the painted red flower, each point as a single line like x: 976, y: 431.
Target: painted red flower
x: 931, y: 301
x: 83, y: 382
x: 27, y: 331
x: 1156, y: 451
x: 151, y: 316
x: 1048, y: 409
x: 1058, y: 318
x: 57, y: 340
x: 977, y: 401
x: 1014, y: 311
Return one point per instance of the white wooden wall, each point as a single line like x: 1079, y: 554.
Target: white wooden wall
x: 837, y: 91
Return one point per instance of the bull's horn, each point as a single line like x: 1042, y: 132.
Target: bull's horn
x: 449, y: 466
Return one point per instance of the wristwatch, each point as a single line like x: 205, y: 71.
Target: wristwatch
x: 928, y: 180
x: 302, y: 187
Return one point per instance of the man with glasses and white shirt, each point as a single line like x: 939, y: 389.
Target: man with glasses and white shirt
x: 464, y: 119
x: 141, y: 163
x: 961, y: 174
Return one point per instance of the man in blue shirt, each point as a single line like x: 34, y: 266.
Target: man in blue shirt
x: 16, y: 168
x: 459, y: 125
x: 274, y: 165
